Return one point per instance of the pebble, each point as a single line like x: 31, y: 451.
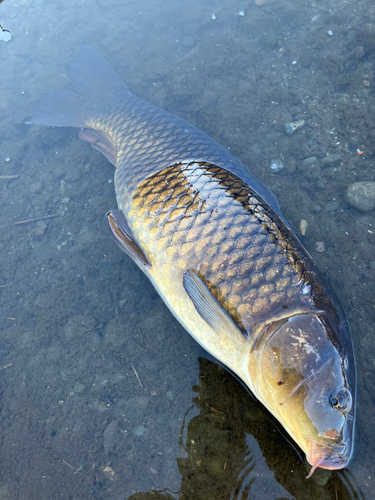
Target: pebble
x: 276, y: 165
x: 36, y: 188
x: 141, y: 402
x: 79, y: 388
x: 109, y: 473
x: 321, y: 184
x: 110, y: 436
x: 140, y: 431
x: 170, y: 396
x: 303, y: 226
x: 40, y: 228
x: 332, y: 206
x: 331, y: 159
x: 320, y: 246
x: 309, y: 162
x: 290, y: 127
x: 361, y: 195
x: 356, y: 54
x: 5, y: 36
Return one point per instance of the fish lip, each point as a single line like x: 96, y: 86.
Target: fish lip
x: 335, y: 462
x: 334, y: 458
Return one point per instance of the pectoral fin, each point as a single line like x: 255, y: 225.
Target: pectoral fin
x: 125, y: 238
x: 209, y: 308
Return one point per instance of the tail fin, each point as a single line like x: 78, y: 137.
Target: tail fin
x: 94, y: 92
x: 94, y: 87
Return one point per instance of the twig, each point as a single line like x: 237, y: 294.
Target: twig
x: 36, y: 218
x: 8, y: 176
x: 76, y: 471
x: 136, y: 374
x: 5, y: 366
x: 93, y: 328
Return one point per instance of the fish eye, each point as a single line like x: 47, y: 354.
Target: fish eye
x: 342, y: 401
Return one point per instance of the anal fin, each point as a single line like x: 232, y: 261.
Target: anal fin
x: 209, y: 308
x: 101, y: 141
x: 123, y: 235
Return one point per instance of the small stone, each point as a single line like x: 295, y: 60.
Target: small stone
x: 331, y: 159
x: 110, y: 436
x: 320, y: 184
x: 291, y: 127
x: 122, y: 303
x: 332, y: 206
x: 141, y: 402
x: 309, y: 162
x: 303, y: 226
x: 356, y: 54
x: 361, y: 195
x: 276, y: 165
x: 316, y: 209
x: 79, y: 388
x: 291, y: 167
x: 110, y: 473
x: 170, y: 396
x: 36, y: 188
x: 40, y: 228
x: 140, y: 431
x: 320, y: 246
x: 5, y: 36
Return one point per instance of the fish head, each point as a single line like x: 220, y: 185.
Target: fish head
x: 308, y: 383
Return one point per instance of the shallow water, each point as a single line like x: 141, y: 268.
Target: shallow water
x: 103, y: 394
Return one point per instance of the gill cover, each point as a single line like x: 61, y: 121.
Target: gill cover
x: 306, y: 382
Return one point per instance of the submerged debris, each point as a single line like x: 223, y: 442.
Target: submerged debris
x: 291, y: 127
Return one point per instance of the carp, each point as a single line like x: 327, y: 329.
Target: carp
x: 212, y: 240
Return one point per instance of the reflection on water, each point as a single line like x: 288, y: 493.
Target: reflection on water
x: 236, y: 452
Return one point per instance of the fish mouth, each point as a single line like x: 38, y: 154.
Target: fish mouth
x: 334, y: 458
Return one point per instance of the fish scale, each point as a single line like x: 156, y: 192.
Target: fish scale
x: 197, y: 215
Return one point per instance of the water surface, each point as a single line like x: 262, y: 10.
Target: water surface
x: 103, y: 394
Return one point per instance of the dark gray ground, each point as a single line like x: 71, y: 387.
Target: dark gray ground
x: 79, y: 320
